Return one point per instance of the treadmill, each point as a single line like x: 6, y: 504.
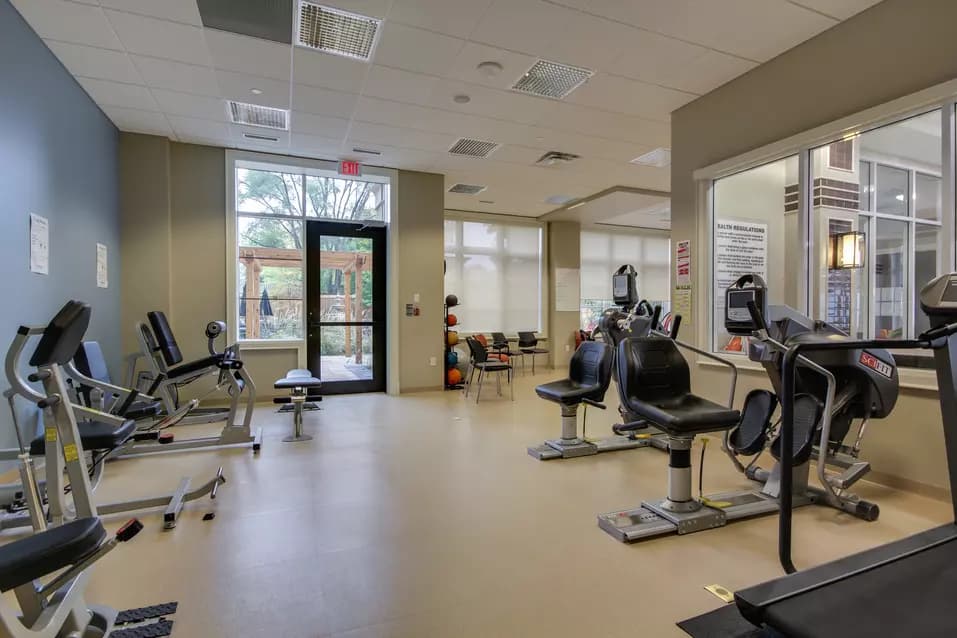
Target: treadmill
x: 904, y: 588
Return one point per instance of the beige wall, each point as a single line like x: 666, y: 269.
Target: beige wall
x: 173, y: 199
x: 563, y: 252
x: 852, y: 67
x: 421, y: 248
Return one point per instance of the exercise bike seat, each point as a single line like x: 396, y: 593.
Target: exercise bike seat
x: 28, y: 559
x: 752, y: 432
x: 94, y: 436
x: 589, y: 375
x: 807, y: 417
x: 297, y: 378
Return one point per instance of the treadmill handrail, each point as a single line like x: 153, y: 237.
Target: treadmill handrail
x: 789, y: 365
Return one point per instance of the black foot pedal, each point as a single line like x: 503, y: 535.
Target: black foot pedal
x: 160, y: 628
x: 749, y: 437
x: 208, y: 516
x: 146, y: 436
x: 145, y: 613
x: 807, y: 417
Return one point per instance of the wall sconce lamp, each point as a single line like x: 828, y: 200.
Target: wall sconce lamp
x: 847, y: 251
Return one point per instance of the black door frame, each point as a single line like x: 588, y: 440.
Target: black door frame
x: 378, y: 234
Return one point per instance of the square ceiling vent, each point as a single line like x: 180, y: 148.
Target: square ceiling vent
x: 467, y: 189
x: 256, y: 115
x: 336, y: 31
x: 659, y: 158
x: 473, y: 148
x: 551, y: 79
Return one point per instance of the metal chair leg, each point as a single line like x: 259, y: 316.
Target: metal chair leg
x: 478, y: 392
x: 511, y: 384
x: 468, y: 383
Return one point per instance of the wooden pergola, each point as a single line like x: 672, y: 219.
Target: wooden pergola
x: 352, y: 264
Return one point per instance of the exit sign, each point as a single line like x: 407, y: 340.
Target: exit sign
x: 349, y: 167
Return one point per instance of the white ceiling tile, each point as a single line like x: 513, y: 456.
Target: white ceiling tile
x: 730, y: 26
x: 249, y: 137
x: 632, y: 97
x: 239, y: 86
x: 613, y: 126
x: 131, y: 96
x: 453, y: 17
x: 251, y: 56
x: 840, y: 9
x: 590, y: 42
x: 507, y: 105
x: 464, y: 67
x: 160, y: 38
x: 313, y: 144
x: 371, y: 8
x: 94, y: 62
x: 69, y: 22
x: 394, y: 136
x: 176, y: 76
x: 330, y: 71
x: 334, y: 127
x: 175, y: 10
x: 195, y: 129
x: 416, y: 50
x: 374, y: 110
x: 398, y: 85
x: 136, y: 121
x: 527, y: 26
x: 192, y: 106
x: 708, y: 72
x: 517, y: 154
x: 312, y: 99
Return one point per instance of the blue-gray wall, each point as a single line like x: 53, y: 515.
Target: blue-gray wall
x: 58, y: 159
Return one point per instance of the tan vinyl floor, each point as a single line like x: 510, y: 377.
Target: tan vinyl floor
x: 423, y: 516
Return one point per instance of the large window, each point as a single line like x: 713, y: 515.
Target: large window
x: 603, y: 252
x: 495, y: 269
x: 272, y: 203
x: 854, y: 251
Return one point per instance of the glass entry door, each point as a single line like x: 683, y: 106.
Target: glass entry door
x: 346, y: 313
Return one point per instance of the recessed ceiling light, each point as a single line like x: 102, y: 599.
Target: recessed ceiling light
x: 581, y: 203
x: 336, y: 31
x: 559, y: 200
x: 461, y: 99
x: 489, y: 68
x: 659, y: 158
x: 256, y: 91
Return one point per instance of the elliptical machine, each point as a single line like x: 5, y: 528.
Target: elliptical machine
x: 590, y: 372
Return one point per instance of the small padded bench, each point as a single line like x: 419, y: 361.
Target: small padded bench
x: 33, y: 557
x: 95, y: 436
x: 303, y: 392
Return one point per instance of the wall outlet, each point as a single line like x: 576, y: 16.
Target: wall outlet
x: 568, y: 348
x: 433, y: 361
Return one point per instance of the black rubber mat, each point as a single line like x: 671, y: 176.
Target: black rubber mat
x: 145, y: 613
x: 158, y: 629
x: 724, y: 622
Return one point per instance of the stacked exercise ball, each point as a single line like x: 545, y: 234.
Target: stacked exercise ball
x: 452, y: 320
x: 453, y: 338
x: 454, y: 376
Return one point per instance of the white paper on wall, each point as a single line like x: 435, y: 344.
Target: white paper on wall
x: 102, y: 270
x: 39, y: 245
x: 567, y: 290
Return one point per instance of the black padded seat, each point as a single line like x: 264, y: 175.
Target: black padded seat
x: 194, y: 366
x: 143, y: 410
x: 589, y: 375
x: 94, y: 436
x: 28, y: 559
x: 655, y: 385
x: 298, y: 378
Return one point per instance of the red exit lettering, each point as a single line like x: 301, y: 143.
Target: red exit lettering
x: 349, y: 167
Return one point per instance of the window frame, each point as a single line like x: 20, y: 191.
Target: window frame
x: 942, y: 96
x: 303, y: 167
x: 544, y: 311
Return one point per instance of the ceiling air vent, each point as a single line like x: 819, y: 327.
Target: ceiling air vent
x: 260, y: 138
x: 551, y: 79
x: 366, y: 151
x: 255, y: 115
x: 473, y: 148
x: 467, y: 189
x: 659, y: 158
x: 336, y: 31
x: 554, y: 158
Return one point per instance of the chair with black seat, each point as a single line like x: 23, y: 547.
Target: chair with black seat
x: 502, y: 347
x: 480, y: 361
x: 57, y: 608
x: 528, y: 344
x: 589, y: 375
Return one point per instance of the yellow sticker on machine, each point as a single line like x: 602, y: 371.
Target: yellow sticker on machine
x: 50, y: 435
x: 70, y: 453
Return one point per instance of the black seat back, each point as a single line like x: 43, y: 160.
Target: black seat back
x: 89, y: 360
x: 499, y: 339
x: 63, y: 335
x: 165, y: 340
x: 527, y: 340
x: 591, y: 365
x: 479, y: 354
x: 651, y: 370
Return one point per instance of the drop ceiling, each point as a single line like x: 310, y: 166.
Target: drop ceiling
x: 154, y: 68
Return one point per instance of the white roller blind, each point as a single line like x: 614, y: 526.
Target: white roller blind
x: 495, y: 269
x: 603, y: 252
